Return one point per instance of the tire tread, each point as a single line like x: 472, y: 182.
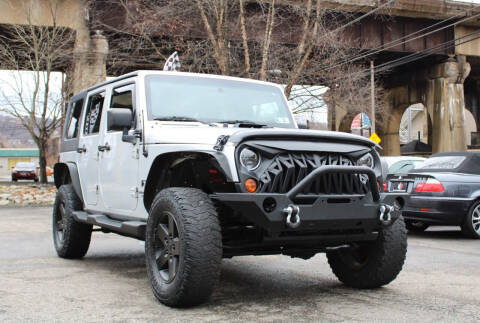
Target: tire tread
x: 77, y: 235
x: 203, y: 246
x: 389, y: 253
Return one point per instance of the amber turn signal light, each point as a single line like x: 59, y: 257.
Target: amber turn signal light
x: 250, y: 185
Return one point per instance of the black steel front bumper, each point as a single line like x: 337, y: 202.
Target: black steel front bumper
x: 317, y: 212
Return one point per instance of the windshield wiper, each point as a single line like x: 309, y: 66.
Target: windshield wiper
x: 244, y: 123
x: 180, y: 118
x: 175, y: 118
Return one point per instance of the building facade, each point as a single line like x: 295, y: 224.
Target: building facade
x: 9, y: 157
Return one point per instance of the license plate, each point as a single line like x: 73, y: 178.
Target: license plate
x: 399, y: 186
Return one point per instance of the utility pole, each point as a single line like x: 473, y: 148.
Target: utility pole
x: 409, y: 109
x: 372, y: 95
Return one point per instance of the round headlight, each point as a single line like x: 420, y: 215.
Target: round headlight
x: 366, y: 160
x: 249, y: 159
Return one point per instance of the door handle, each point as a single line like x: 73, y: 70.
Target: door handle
x: 104, y: 147
x: 81, y: 149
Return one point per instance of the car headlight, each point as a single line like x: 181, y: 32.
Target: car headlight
x: 366, y: 160
x: 249, y: 159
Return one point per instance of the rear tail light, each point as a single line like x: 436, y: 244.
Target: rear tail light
x: 385, y: 186
x: 430, y: 185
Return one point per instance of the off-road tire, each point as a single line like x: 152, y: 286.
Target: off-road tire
x: 467, y: 227
x: 199, y: 246
x: 416, y: 226
x: 74, y: 240
x: 383, y: 261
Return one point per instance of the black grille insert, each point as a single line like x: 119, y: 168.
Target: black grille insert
x: 286, y: 170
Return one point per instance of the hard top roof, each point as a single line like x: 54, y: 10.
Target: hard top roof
x: 153, y: 72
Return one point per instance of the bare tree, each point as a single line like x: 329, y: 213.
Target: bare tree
x: 290, y: 42
x: 42, y: 50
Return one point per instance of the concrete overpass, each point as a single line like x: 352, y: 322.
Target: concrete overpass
x: 446, y: 83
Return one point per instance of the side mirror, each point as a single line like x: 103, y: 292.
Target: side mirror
x: 121, y: 119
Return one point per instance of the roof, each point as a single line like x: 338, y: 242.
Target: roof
x: 19, y: 153
x: 171, y: 73
x: 459, y: 153
x: 469, y: 165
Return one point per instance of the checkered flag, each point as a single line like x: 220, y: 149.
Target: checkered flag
x: 172, y: 63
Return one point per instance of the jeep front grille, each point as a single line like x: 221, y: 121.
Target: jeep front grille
x: 286, y: 170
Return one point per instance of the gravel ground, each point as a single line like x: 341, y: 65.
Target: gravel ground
x: 439, y: 283
x: 27, y: 194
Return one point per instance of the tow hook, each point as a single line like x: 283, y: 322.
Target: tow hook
x: 293, y: 216
x: 386, y: 213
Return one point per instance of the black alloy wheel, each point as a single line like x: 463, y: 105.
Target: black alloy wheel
x: 59, y: 218
x: 183, y: 246
x: 167, y: 247
x: 70, y: 238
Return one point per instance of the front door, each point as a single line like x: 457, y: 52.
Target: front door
x: 88, y: 160
x: 118, y: 170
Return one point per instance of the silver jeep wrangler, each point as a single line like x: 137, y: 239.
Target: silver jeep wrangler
x: 205, y: 167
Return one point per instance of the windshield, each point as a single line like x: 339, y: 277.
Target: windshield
x: 24, y: 165
x: 404, y: 166
x: 208, y: 100
x: 442, y: 162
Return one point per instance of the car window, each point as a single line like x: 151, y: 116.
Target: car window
x: 404, y: 166
x: 93, y: 113
x: 73, y: 119
x: 25, y: 165
x: 216, y: 100
x: 122, y: 98
x: 442, y: 162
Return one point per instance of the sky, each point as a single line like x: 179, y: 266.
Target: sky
x: 12, y: 81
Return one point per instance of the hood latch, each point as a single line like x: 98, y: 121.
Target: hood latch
x: 221, y: 141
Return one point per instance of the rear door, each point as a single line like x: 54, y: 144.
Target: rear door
x: 118, y: 170
x: 88, y: 160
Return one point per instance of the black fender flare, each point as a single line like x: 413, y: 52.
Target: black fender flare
x: 60, y: 173
x: 164, y: 157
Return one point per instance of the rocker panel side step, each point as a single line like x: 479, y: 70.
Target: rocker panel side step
x: 134, y: 229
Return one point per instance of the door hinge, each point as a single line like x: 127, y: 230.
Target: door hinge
x: 136, y: 153
x: 135, y: 193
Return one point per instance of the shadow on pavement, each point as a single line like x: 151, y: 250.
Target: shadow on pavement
x: 249, y: 282
x: 439, y: 234
x: 129, y: 265
x: 241, y: 281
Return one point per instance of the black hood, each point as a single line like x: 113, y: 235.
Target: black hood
x: 300, y: 135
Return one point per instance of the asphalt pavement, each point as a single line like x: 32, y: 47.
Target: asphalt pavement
x: 439, y: 283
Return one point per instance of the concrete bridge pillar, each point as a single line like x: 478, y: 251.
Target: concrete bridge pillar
x: 89, y: 59
x: 445, y: 103
x: 397, y: 102
x: 440, y: 89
